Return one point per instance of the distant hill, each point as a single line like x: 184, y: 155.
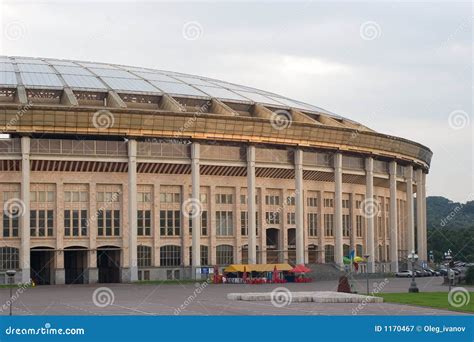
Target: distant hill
x: 450, y: 226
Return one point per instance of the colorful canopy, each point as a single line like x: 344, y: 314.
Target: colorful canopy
x: 257, y: 268
x: 300, y: 269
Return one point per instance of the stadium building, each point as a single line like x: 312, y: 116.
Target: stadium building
x: 113, y: 173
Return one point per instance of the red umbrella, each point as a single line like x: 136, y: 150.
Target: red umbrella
x: 300, y: 269
x: 244, y: 276
x: 275, y: 275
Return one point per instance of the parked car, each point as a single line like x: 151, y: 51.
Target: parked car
x: 433, y: 272
x: 403, y: 274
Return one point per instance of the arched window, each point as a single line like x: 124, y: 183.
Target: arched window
x: 170, y: 255
x: 329, y: 253
x: 225, y: 254
x: 143, y: 256
x: 9, y: 258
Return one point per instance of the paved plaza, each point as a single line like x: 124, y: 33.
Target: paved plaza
x: 207, y: 299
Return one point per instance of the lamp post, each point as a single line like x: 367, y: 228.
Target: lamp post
x: 366, y: 257
x: 11, y: 275
x: 413, y: 257
x: 448, y: 257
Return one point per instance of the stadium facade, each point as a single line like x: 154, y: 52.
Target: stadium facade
x: 112, y: 173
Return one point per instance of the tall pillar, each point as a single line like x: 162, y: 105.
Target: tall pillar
x: 369, y: 198
x: 419, y: 212
x: 251, y: 206
x: 197, y: 207
x: 393, y: 216
x: 132, y: 209
x: 25, y: 217
x: 423, y: 251
x: 410, y: 220
x: 299, y: 215
x: 338, y: 251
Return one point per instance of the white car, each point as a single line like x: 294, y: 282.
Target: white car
x: 403, y: 274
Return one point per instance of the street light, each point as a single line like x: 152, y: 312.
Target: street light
x: 11, y: 275
x: 413, y: 257
x: 366, y: 257
x: 448, y: 258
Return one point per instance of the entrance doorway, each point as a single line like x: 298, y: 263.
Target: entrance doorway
x: 108, y: 263
x: 273, y: 238
x: 42, y: 265
x: 75, y: 265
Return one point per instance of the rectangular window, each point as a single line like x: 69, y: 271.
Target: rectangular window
x: 359, y: 225
x: 224, y: 199
x: 170, y: 222
x: 244, y: 226
x: 312, y: 201
x: 224, y: 223
x: 174, y: 197
x: 144, y: 222
x: 313, y: 224
x: 290, y: 218
x: 272, y: 217
x: 345, y: 225
x: 290, y: 200
x: 328, y: 224
x: 108, y: 222
x: 41, y: 222
x: 272, y: 200
x: 345, y: 203
x: 203, y: 224
x: 10, y: 224
x: 329, y: 203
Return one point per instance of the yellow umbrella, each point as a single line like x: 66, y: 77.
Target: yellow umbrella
x: 358, y: 259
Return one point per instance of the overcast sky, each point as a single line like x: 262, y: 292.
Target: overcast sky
x: 400, y: 68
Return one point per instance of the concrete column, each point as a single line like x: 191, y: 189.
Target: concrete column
x: 423, y: 251
x: 419, y: 212
x: 353, y: 224
x: 132, y: 208
x: 393, y: 217
x: 410, y: 220
x: 212, y: 225
x: 196, y: 207
x: 25, y: 218
x: 369, y: 198
x: 338, y: 251
x: 60, y: 275
x: 251, y: 206
x: 299, y: 202
x: 92, y: 270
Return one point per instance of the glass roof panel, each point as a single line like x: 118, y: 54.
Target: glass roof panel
x: 222, y: 93
x: 112, y: 73
x: 178, y: 88
x: 70, y: 70
x: 194, y: 81
x: 97, y: 65
x: 259, y: 98
x: 80, y: 81
x: 129, y: 84
x: 37, y: 79
x: 35, y: 68
x: 65, y: 63
x: 6, y: 67
x: 7, y: 78
x: 29, y: 61
x: 155, y: 76
x: 5, y: 60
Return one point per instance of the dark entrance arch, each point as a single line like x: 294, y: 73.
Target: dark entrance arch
x: 75, y: 265
x: 291, y: 245
x: 108, y: 264
x: 42, y: 265
x: 273, y: 245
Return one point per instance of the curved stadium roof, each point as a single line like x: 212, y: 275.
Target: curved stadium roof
x: 43, y: 73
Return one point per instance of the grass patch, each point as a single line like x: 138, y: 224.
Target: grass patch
x: 168, y: 282
x: 438, y: 300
